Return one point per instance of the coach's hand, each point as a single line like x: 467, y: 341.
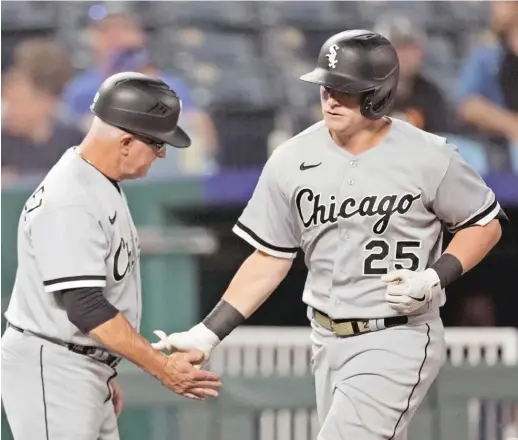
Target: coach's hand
x: 182, y: 376
x: 197, y: 338
x: 408, y: 291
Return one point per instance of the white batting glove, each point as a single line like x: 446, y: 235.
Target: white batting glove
x: 197, y: 338
x: 408, y: 291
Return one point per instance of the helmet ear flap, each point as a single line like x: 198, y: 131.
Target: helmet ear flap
x: 375, y: 111
x: 366, y: 108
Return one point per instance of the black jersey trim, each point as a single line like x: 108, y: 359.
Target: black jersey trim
x: 259, y: 240
x: 76, y: 278
x: 473, y: 221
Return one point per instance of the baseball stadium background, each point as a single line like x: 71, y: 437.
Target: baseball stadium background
x: 236, y: 67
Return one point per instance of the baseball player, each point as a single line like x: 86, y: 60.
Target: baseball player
x: 75, y: 309
x: 364, y: 197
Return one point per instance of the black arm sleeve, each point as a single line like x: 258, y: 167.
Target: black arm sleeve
x: 87, y: 307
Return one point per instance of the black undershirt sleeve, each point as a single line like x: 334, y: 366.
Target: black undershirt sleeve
x: 87, y: 308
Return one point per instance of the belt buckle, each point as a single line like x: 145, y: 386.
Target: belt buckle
x: 332, y: 325
x: 352, y: 328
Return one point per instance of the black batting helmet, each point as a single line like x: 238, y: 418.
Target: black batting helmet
x: 359, y: 61
x: 141, y: 105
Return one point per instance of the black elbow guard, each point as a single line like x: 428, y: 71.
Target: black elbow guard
x: 87, y: 308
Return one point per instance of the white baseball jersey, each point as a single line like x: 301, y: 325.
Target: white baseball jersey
x: 356, y: 217
x: 75, y: 230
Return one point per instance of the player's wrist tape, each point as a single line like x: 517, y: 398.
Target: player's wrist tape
x: 223, y: 319
x: 448, y: 268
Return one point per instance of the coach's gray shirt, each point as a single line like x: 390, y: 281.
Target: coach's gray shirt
x: 358, y: 216
x: 76, y: 230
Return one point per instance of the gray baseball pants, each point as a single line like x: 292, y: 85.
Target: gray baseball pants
x: 369, y: 386
x: 51, y: 393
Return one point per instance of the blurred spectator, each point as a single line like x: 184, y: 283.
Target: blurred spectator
x: 118, y: 44
x: 477, y: 310
x: 33, y: 138
x: 419, y: 101
x: 488, y: 86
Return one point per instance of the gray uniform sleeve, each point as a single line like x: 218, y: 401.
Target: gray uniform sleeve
x: 463, y: 199
x: 70, y: 249
x: 266, y: 223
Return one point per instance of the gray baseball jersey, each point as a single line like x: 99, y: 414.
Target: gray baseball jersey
x: 75, y: 230
x: 356, y: 217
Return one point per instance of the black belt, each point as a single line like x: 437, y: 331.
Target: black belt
x: 351, y: 327
x: 95, y: 353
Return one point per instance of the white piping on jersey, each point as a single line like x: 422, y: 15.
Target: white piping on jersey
x: 253, y: 242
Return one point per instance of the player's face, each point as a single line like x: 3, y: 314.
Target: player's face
x: 341, y: 111
x: 139, y: 155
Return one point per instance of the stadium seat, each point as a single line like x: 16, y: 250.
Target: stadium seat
x: 295, y: 92
x: 240, y: 86
x: 307, y: 14
x: 29, y: 15
x: 439, y: 51
x: 231, y: 13
x: 221, y: 48
x: 285, y: 43
x: 243, y: 135
x: 456, y: 15
x: 440, y: 55
x: 370, y: 11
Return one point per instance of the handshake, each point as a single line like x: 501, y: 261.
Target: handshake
x: 190, y: 351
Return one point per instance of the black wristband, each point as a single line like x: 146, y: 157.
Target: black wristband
x: 448, y: 268
x: 223, y: 319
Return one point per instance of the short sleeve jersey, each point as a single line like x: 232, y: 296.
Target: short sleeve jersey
x: 75, y: 231
x: 356, y: 217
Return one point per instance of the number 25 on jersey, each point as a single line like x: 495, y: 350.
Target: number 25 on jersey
x: 400, y: 251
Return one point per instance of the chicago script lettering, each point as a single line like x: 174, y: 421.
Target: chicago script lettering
x: 369, y: 206
x: 124, y: 260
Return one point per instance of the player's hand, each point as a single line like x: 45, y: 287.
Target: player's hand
x: 181, y: 376
x: 408, y: 291
x: 197, y: 338
x: 117, y: 397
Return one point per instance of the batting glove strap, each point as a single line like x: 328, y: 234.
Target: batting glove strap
x: 433, y: 283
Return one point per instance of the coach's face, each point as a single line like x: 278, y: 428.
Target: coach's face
x: 341, y: 111
x: 138, y: 156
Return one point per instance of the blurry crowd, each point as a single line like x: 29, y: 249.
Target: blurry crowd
x: 45, y: 100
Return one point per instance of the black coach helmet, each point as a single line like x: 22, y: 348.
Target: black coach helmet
x: 141, y: 105
x: 359, y: 61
